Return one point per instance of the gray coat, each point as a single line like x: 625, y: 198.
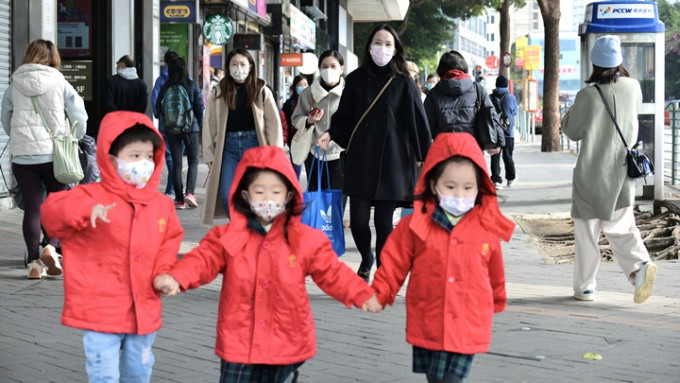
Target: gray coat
x: 600, y: 184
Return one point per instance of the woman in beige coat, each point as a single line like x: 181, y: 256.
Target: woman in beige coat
x: 241, y: 114
x: 602, y: 193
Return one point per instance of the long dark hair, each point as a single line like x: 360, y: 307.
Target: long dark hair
x: 451, y: 60
x: 242, y: 206
x: 433, y: 175
x: 178, y: 74
x: 293, y: 92
x: 228, y: 85
x: 607, y: 75
x: 398, y: 62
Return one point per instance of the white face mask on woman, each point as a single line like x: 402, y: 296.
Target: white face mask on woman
x: 381, y: 55
x: 239, y: 73
x: 330, y: 75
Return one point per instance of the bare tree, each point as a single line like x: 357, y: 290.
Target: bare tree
x: 550, y: 11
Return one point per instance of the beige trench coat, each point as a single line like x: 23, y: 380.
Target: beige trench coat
x: 267, y: 127
x: 600, y: 183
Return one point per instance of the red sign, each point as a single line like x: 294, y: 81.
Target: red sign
x: 291, y: 59
x: 492, y: 62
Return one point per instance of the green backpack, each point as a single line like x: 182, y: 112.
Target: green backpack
x: 176, y: 114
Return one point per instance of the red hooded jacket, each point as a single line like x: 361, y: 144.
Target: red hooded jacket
x: 457, y: 280
x: 265, y: 315
x: 108, y: 270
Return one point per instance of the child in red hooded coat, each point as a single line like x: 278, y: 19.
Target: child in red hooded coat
x: 116, y: 235
x: 451, y: 247
x: 265, y: 329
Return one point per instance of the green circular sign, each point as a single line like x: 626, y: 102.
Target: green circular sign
x: 218, y: 29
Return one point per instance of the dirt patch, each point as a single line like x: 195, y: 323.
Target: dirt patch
x: 554, y: 237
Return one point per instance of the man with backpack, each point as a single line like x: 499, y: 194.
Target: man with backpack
x: 506, y: 107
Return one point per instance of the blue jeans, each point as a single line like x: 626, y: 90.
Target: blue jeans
x: 234, y: 145
x: 169, y: 188
x: 118, y: 357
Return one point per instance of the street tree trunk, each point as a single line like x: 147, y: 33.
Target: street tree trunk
x: 550, y: 11
x: 504, y: 12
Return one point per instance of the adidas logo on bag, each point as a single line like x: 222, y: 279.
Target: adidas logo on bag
x: 328, y: 218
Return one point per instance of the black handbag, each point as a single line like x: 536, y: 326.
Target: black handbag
x: 639, y: 165
x: 489, y: 131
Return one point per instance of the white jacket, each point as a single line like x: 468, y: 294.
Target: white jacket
x: 326, y: 101
x: 57, y: 99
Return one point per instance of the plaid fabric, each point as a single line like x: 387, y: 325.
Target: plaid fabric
x: 437, y: 363
x: 255, y: 373
x: 444, y: 219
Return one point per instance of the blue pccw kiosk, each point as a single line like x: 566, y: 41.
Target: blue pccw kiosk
x: 642, y: 43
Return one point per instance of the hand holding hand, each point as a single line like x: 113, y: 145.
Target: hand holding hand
x: 372, y: 304
x: 166, y: 284
x: 99, y: 212
x: 323, y: 141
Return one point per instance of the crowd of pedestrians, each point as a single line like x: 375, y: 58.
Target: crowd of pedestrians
x: 388, y: 143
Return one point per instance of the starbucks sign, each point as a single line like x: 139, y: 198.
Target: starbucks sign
x: 218, y: 29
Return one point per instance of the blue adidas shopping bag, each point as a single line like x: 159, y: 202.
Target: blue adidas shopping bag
x: 323, y: 208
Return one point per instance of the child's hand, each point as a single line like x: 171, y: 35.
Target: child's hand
x: 99, y: 212
x: 372, y: 304
x: 166, y: 284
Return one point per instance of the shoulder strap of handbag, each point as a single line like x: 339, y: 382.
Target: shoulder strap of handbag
x: 366, y: 112
x: 606, y: 104
x: 38, y: 109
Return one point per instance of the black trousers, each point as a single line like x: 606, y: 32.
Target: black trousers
x: 190, y: 142
x: 359, y: 213
x: 508, y: 162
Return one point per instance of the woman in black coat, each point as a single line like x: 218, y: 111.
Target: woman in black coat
x: 382, y: 153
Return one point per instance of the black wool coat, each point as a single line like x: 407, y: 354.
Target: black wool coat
x: 125, y: 94
x: 380, y: 162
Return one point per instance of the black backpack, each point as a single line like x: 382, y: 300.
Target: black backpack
x: 176, y: 114
x: 502, y: 117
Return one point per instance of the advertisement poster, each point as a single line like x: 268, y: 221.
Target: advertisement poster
x: 74, y: 28
x: 175, y: 37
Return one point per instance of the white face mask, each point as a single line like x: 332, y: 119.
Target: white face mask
x: 330, y: 76
x: 135, y: 173
x: 267, y: 210
x: 456, y: 206
x: 239, y: 74
x: 381, y: 55
x: 430, y: 85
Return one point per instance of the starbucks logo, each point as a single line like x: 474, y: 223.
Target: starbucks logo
x: 218, y: 29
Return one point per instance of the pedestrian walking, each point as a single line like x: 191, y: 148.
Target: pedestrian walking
x: 241, y: 114
x: 178, y: 78
x: 451, y: 106
x: 30, y: 143
x: 117, y: 235
x: 602, y: 193
x: 431, y: 81
x: 215, y: 77
x: 168, y: 57
x: 125, y: 90
x: 296, y: 87
x: 506, y: 107
x: 265, y: 329
x: 314, y: 110
x: 381, y: 123
x: 450, y: 246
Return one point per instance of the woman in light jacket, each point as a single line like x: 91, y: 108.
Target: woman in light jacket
x: 317, y: 104
x: 30, y: 142
x: 602, y: 193
x: 241, y: 114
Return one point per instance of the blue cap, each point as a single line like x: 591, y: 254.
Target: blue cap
x: 606, y: 52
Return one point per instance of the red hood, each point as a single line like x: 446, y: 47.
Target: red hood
x: 264, y: 157
x: 111, y: 127
x: 447, y: 145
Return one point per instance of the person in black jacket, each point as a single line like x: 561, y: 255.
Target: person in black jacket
x: 382, y: 153
x: 451, y: 105
x: 125, y: 90
x: 296, y: 87
x: 178, y: 75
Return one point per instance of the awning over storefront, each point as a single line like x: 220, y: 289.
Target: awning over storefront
x: 377, y: 10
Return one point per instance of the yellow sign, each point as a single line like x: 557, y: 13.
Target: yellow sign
x: 520, y: 44
x: 532, y: 57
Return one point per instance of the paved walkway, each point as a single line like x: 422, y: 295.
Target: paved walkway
x: 541, y: 337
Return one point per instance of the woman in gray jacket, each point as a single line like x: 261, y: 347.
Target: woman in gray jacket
x: 30, y: 142
x: 315, y: 107
x: 602, y: 193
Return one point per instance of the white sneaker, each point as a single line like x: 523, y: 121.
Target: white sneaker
x: 588, y: 295
x: 644, y: 282
x: 36, y: 270
x: 511, y: 182
x: 498, y: 185
x: 50, y: 258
